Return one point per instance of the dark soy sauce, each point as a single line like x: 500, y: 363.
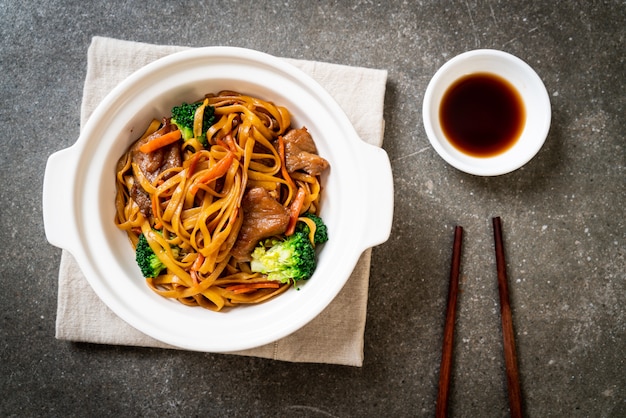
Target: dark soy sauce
x: 482, y: 115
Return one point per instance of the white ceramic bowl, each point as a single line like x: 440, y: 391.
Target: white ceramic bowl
x: 523, y: 78
x: 79, y: 190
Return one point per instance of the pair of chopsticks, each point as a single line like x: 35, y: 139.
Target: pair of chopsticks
x: 510, y: 355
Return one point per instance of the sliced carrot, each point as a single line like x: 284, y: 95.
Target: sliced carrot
x: 217, y: 171
x: 193, y: 164
x: 250, y: 287
x: 294, y: 211
x: 246, y: 290
x: 197, y: 263
x: 230, y: 142
x: 221, y: 143
x: 227, y: 142
x: 155, y: 204
x: 194, y: 277
x: 160, y: 141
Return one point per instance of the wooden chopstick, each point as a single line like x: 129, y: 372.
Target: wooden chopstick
x: 448, y: 334
x: 508, y: 337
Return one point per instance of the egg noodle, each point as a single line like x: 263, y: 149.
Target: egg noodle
x: 196, y: 207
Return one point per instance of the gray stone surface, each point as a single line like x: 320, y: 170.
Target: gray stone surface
x: 563, y: 217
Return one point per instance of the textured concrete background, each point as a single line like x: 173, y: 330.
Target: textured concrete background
x: 563, y: 217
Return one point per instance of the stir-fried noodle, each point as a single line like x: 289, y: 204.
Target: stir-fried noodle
x: 188, y: 199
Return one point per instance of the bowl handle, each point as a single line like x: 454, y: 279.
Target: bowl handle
x: 378, y: 180
x: 58, y: 199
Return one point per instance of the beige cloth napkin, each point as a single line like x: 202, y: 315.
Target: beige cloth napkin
x: 336, y: 335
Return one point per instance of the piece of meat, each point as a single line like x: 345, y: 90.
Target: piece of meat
x: 301, y: 153
x: 171, y: 158
x: 152, y: 164
x: 142, y: 199
x: 263, y: 217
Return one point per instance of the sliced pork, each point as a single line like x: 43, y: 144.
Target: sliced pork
x: 152, y: 164
x: 301, y: 153
x: 263, y: 217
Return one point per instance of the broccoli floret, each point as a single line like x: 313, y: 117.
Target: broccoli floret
x: 149, y: 263
x: 321, y: 231
x: 290, y: 259
x: 147, y: 260
x: 183, y: 115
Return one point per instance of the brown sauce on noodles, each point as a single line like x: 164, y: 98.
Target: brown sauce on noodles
x: 190, y: 198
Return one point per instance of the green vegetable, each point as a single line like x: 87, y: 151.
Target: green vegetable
x: 149, y: 263
x: 321, y: 231
x: 183, y: 115
x: 292, y: 258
